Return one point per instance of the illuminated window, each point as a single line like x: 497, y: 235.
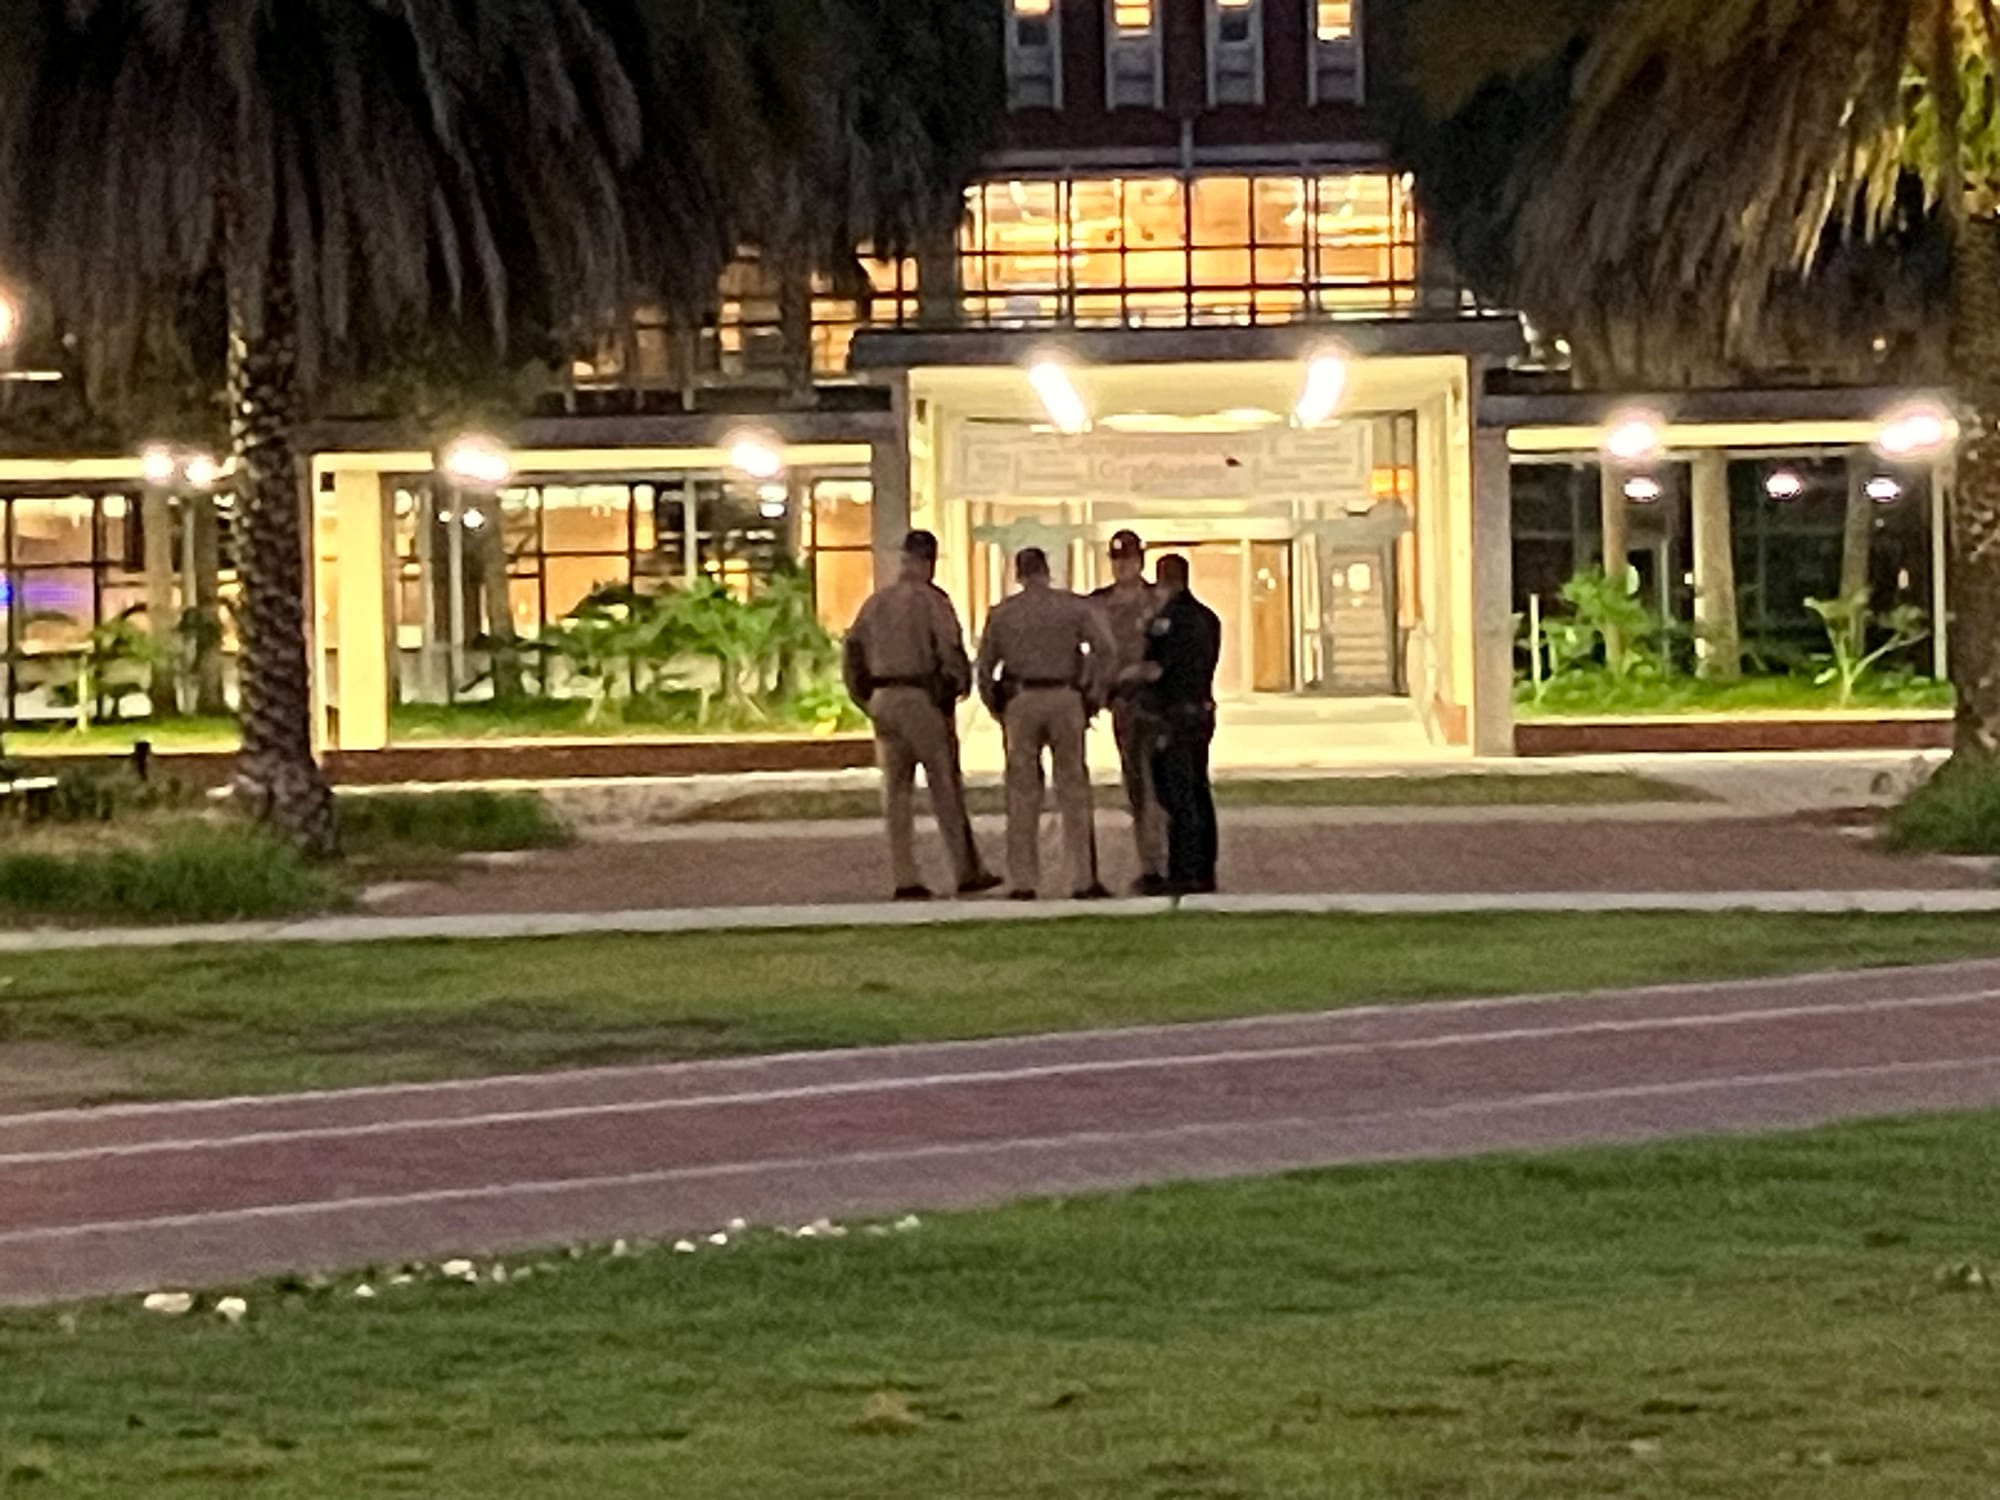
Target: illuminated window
x: 1132, y: 56
x: 1210, y: 250
x: 1034, y: 55
x: 1336, y: 51
x: 1235, y: 52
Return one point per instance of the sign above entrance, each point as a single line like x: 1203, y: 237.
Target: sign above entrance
x: 1013, y: 463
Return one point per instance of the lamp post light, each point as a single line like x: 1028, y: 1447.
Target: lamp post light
x: 1917, y: 433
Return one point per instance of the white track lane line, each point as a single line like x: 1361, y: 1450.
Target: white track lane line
x: 987, y: 1078
x: 1413, y: 1009
x: 1505, y: 1104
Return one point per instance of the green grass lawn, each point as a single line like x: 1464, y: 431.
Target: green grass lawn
x: 1449, y: 789
x: 1731, y: 1319
x: 225, y: 1020
x: 1596, y: 695
x: 215, y: 735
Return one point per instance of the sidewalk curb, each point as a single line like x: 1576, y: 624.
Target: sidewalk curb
x: 497, y: 927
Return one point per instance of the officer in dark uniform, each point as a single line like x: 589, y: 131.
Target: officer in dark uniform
x: 1183, y: 647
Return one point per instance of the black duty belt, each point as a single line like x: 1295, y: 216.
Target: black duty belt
x: 904, y: 682
x: 1041, y: 684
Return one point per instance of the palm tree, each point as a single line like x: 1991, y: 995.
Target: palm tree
x: 338, y: 165
x: 836, y: 124
x: 1719, y: 147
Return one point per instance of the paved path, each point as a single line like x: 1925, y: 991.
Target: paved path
x: 129, y: 1198
x: 1338, y: 852
x: 656, y: 921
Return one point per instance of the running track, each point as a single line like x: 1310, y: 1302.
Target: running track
x: 131, y: 1198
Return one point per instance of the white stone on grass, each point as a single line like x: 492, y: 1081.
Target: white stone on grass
x: 684, y: 1247
x: 232, y: 1310
x: 364, y: 1291
x: 169, y: 1304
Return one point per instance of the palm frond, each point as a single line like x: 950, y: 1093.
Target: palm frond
x: 1713, y: 142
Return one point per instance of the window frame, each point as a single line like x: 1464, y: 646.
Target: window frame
x: 1050, y: 52
x: 1120, y: 42
x: 1318, y: 50
x: 1251, y: 51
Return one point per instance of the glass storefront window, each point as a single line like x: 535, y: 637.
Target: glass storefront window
x: 552, y: 546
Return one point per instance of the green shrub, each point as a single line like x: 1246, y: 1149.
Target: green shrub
x: 456, y: 822
x: 194, y: 872
x: 1956, y: 812
x: 90, y: 794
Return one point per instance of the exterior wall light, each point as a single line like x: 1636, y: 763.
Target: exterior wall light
x: 1059, y: 396
x: 1326, y: 384
x: 10, y: 318
x: 773, y: 500
x: 1634, y: 437
x: 158, y: 465
x: 1643, y: 489
x: 1920, y: 431
x: 476, y: 460
x: 756, y: 455
x: 1785, y: 484
x: 1884, y: 491
x: 200, y: 471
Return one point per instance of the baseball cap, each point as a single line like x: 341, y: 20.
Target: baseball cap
x: 1127, y: 544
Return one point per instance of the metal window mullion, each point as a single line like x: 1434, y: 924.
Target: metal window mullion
x: 1187, y: 250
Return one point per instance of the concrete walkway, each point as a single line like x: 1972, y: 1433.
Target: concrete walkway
x: 490, y: 926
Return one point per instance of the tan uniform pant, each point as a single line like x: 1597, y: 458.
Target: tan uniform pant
x: 1138, y: 736
x: 1050, y: 719
x: 912, y: 731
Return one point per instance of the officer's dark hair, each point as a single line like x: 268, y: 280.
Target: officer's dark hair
x: 922, y: 545
x: 1031, y: 562
x: 1173, y: 570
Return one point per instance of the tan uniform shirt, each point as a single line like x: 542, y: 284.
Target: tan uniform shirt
x: 906, y: 633
x: 1129, y: 612
x: 1046, y: 635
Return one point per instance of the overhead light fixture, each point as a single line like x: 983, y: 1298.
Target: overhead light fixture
x: 201, y: 471
x: 1634, y: 437
x: 1785, y: 484
x: 756, y: 455
x: 1920, y: 430
x: 157, y: 464
x: 474, y: 459
x: 1643, y: 489
x: 1326, y: 383
x: 1059, y: 395
x: 1884, y: 491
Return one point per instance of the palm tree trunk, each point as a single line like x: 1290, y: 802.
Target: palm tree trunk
x: 795, y: 331
x: 204, y: 587
x: 1857, y: 538
x: 1720, y: 642
x: 1973, y: 550
x: 156, y: 525
x: 1973, y: 522
x: 276, y: 774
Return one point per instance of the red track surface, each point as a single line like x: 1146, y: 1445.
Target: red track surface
x: 132, y: 1198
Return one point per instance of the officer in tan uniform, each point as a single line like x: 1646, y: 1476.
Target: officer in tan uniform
x: 1045, y: 666
x: 1129, y: 604
x: 905, y: 666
